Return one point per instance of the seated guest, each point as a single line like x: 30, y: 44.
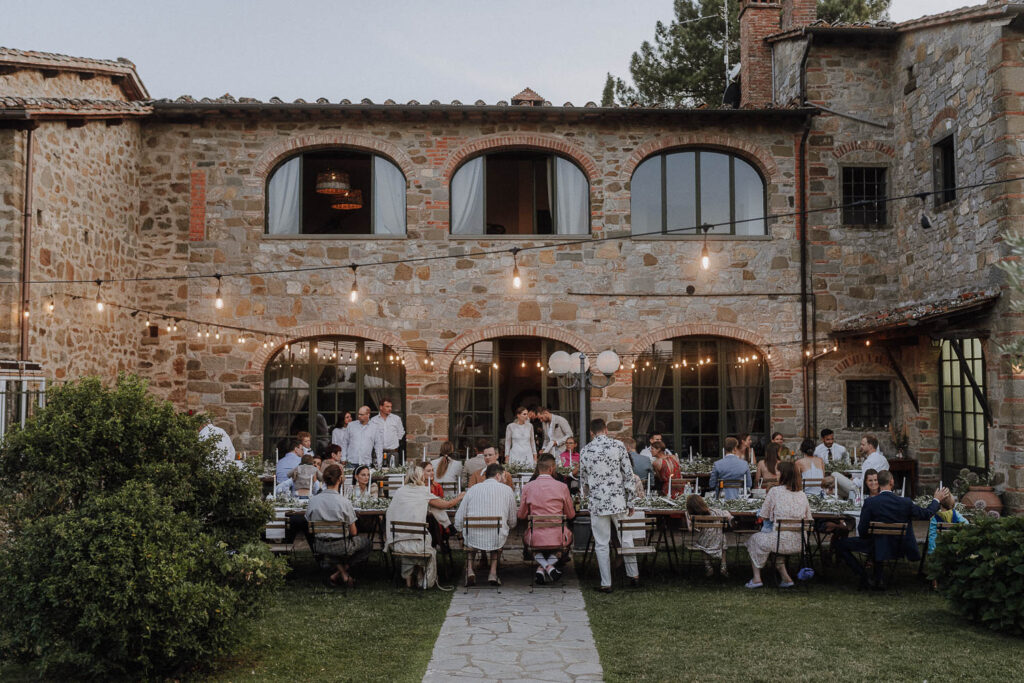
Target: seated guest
x: 447, y: 470
x: 412, y: 503
x: 784, y: 452
x: 651, y: 438
x: 666, y: 467
x: 642, y: 466
x: 785, y: 501
x: 768, y: 469
x: 440, y: 524
x: 889, y: 508
x: 946, y: 514
x: 711, y: 542
x: 491, y: 457
x: 546, y: 496
x: 490, y: 499
x: 333, y: 456
x: 338, y: 552
x: 477, y: 462
x: 306, y: 439
x: 871, y: 483
x: 306, y: 477
x: 428, y: 476
x: 732, y: 466
x: 873, y: 460
x: 361, y: 492
x: 570, y: 457
x: 288, y: 462
x: 828, y: 450
x: 810, y: 466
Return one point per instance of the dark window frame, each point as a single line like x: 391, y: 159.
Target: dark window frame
x: 368, y: 196
x: 697, y: 151
x: 861, y: 403
x: 944, y: 170
x: 875, y: 212
x: 955, y: 448
x: 552, y: 201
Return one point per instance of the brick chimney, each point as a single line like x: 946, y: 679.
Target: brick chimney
x: 798, y: 13
x: 758, y: 20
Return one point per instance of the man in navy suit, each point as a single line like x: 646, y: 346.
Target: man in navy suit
x: 889, y: 508
x: 732, y: 466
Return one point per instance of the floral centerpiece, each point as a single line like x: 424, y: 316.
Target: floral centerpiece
x: 696, y: 466
x: 734, y: 505
x: 657, y: 503
x: 385, y: 472
x: 844, y: 465
x: 372, y: 503
x: 827, y: 504
x: 515, y: 468
x: 282, y: 500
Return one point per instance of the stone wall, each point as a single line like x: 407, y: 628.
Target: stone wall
x: 31, y: 82
x: 12, y: 182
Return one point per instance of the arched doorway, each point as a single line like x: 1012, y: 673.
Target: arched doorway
x: 490, y: 378
x: 311, y: 383
x: 695, y: 391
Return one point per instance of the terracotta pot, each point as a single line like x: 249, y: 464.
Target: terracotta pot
x: 985, y: 493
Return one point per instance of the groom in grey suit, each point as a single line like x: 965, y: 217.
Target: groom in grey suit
x: 732, y: 466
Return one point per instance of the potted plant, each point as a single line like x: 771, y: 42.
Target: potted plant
x: 900, y: 440
x: 971, y: 487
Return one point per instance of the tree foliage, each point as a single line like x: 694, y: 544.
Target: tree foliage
x: 684, y: 65
x: 132, y: 548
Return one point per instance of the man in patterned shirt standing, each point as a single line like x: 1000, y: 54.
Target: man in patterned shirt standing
x: 606, y: 478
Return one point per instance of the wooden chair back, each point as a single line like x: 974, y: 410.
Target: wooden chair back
x: 485, y: 523
x: 333, y: 528
x: 679, y: 483
x: 887, y: 529
x: 386, y: 487
x: 802, y: 526
x: 811, y: 482
x: 640, y: 525
x: 731, y: 483
x: 547, y: 522
x: 700, y: 522
x: 946, y: 526
x: 449, y: 488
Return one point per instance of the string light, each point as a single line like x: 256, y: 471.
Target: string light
x: 50, y: 306
x: 99, y: 301
x: 867, y: 342
x: 218, y: 302
x: 517, y: 281
x: 705, y: 256
x: 354, y: 294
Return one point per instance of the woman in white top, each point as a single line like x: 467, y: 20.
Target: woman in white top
x: 520, y: 445
x: 447, y: 470
x: 810, y: 467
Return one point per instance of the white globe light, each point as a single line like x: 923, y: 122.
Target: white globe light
x: 559, y: 362
x: 574, y: 360
x: 607, y: 362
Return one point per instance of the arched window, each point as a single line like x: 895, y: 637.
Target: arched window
x: 310, y: 384
x: 675, y: 192
x: 335, y: 192
x: 695, y: 391
x: 520, y: 193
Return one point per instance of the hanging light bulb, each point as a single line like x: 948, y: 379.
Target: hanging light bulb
x: 494, y: 365
x: 174, y: 327
x: 199, y: 333
x: 705, y: 256
x: 217, y: 334
x: 50, y: 306
x: 517, y: 281
x: 867, y: 342
x: 99, y: 300
x: 218, y: 302
x: 523, y: 364
x: 354, y: 294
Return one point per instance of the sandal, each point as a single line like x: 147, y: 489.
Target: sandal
x: 751, y: 584
x: 470, y: 579
x: 786, y: 584
x: 494, y: 580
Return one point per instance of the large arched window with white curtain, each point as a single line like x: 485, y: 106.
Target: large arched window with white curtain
x: 336, y: 192
x: 519, y: 192
x: 675, y: 192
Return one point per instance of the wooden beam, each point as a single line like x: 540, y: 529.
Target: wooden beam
x: 958, y: 348
x: 903, y: 380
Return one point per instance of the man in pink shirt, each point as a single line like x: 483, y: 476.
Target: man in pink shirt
x: 545, y: 495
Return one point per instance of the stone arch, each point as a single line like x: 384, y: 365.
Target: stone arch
x: 865, y: 357
x: 278, y: 151
x: 865, y: 146
x: 544, y: 141
x: 504, y: 330
x: 755, y: 154
x: 706, y: 330
x: 944, y: 113
x: 262, y: 357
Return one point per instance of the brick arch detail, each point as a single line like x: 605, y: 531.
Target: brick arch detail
x: 866, y: 145
x: 944, y: 113
x: 286, y: 148
x: 466, y: 339
x: 553, y: 143
x: 755, y: 154
x: 706, y: 330
x: 862, y: 358
x: 262, y: 357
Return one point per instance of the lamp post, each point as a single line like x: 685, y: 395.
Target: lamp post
x: 573, y: 372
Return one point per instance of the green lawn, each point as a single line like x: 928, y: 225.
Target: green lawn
x: 376, y: 632
x: 679, y: 629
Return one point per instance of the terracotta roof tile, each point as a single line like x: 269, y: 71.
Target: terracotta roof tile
x: 910, y: 314
x: 51, y: 60
x: 64, y: 105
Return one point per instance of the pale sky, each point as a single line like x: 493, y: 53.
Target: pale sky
x: 380, y: 49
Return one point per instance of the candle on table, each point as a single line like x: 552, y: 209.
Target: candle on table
x: 903, y: 490
x: 670, y: 487
x: 648, y: 484
x: 696, y: 484
x: 691, y: 453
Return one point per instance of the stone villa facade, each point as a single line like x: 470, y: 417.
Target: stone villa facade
x: 100, y: 182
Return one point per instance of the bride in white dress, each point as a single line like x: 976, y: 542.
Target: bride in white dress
x: 520, y: 445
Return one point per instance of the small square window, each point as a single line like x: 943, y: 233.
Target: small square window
x: 864, y: 195
x: 868, y: 404
x: 944, y: 171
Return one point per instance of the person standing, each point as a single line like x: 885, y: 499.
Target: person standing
x: 363, y: 440
x: 391, y: 431
x: 223, y: 442
x: 338, y: 434
x: 828, y: 449
x: 520, y: 445
x: 606, y: 477
x: 556, y: 431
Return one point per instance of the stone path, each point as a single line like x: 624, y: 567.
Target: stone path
x: 511, y: 634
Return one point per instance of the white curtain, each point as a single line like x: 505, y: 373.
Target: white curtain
x: 467, y: 199
x: 647, y: 393
x: 388, y: 198
x: 283, y: 199
x: 573, y: 202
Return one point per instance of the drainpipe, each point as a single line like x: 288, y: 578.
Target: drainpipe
x: 26, y: 251
x: 809, y: 416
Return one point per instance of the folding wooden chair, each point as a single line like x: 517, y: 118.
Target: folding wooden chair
x: 385, y: 487
x: 644, y: 526
x: 339, y: 529
x: 477, y: 525
x: 730, y: 484
x: 449, y: 488
x: 877, y: 530
x: 275, y: 534
x: 940, y: 528
x: 699, y: 523
x: 535, y: 522
x: 804, y: 527
x: 409, y: 531
x: 678, y: 485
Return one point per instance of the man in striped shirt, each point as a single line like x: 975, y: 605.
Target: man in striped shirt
x: 490, y: 498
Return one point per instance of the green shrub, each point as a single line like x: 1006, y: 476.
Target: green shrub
x: 980, y: 570
x: 132, y: 549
